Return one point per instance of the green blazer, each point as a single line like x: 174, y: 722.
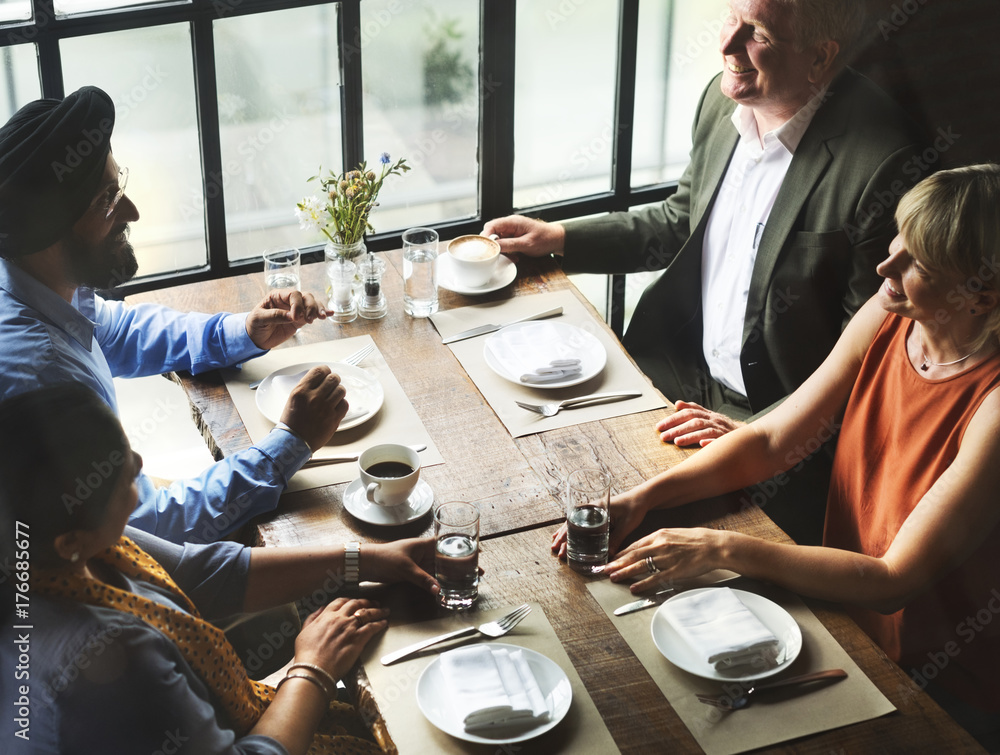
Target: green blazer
x: 830, y: 226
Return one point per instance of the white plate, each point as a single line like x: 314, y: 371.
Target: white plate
x: 432, y: 697
x: 774, y: 617
x: 504, y: 274
x: 364, y: 391
x: 414, y: 507
x: 590, y: 351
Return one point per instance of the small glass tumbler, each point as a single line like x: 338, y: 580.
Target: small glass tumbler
x: 456, y: 558
x: 372, y: 305
x: 588, y: 500
x: 281, y: 269
x: 420, y: 251
x: 340, y: 273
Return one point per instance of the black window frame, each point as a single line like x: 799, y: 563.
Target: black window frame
x: 496, y: 135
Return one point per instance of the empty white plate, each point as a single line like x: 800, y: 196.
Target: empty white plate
x: 364, y: 392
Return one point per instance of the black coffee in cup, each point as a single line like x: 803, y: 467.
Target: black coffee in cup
x: 389, y: 469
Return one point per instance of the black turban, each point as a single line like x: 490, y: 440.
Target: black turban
x: 52, y: 158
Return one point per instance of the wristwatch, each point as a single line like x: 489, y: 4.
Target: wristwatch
x: 352, y: 563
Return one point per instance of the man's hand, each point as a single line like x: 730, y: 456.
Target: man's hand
x: 693, y: 423
x: 316, y: 407
x: 283, y: 312
x: 531, y: 237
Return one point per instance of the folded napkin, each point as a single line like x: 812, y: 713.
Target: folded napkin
x: 721, y: 630
x: 492, y: 688
x: 539, y: 353
x: 284, y: 384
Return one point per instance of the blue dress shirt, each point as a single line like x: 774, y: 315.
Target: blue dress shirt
x: 47, y: 340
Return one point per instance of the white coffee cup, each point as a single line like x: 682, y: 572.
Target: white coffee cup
x: 474, y: 259
x: 389, y: 473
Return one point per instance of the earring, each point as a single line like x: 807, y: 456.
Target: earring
x: 74, y: 557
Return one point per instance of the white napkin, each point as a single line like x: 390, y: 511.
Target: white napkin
x: 721, y: 630
x: 283, y: 385
x: 537, y: 354
x: 492, y: 688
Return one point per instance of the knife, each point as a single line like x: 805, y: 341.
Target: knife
x: 653, y: 600
x: 323, y: 461
x: 484, y: 329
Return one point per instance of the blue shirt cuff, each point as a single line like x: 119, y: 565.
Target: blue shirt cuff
x: 239, y: 347
x: 286, y: 449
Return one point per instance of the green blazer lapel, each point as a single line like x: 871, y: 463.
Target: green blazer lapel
x: 807, y: 167
x: 721, y: 144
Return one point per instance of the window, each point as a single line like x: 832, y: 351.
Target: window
x: 557, y: 108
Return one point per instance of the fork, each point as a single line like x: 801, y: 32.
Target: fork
x: 730, y: 702
x: 551, y: 410
x: 497, y: 628
x: 353, y: 359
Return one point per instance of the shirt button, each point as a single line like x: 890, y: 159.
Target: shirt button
x: 715, y: 353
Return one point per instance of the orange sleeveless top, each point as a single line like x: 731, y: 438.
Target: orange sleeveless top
x: 901, y: 431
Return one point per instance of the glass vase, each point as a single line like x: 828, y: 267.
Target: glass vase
x: 334, y: 251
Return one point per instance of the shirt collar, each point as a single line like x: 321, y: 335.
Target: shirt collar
x: 66, y: 316
x: 789, y: 133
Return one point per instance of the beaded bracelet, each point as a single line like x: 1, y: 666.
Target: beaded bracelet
x: 310, y: 677
x: 321, y: 671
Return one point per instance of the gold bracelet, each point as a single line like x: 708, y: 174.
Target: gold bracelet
x: 311, y: 678
x: 321, y: 671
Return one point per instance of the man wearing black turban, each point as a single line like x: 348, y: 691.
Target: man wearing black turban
x: 64, y: 223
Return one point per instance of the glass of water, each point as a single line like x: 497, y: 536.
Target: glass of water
x: 420, y: 251
x: 456, y: 558
x: 588, y: 500
x: 281, y: 268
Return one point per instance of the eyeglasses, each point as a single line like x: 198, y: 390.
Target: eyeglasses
x: 122, y: 183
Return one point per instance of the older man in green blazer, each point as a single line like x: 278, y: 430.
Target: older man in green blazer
x: 770, y: 243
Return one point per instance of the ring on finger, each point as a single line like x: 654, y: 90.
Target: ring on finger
x: 651, y: 566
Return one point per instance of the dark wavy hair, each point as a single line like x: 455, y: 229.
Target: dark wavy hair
x: 62, y: 451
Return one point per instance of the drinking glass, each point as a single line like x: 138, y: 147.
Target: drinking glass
x: 420, y: 251
x: 281, y: 268
x: 456, y: 559
x: 588, y: 500
x: 340, y: 273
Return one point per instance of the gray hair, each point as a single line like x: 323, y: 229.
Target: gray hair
x: 817, y: 21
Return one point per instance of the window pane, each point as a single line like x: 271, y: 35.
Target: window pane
x: 69, y: 7
x: 279, y: 119
x: 15, y: 10
x: 565, y: 100
x: 668, y: 89
x: 156, y: 135
x: 421, y: 63
x: 20, y: 79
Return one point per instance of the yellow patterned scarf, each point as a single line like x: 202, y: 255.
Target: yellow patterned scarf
x: 203, y: 645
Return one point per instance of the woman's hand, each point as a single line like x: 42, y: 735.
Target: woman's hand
x: 334, y: 636
x: 627, y: 511
x: 677, y: 553
x: 694, y: 424
x: 401, y: 561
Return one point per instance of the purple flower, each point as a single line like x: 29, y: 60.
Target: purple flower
x: 384, y: 158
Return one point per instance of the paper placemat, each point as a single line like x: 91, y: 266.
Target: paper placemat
x: 394, y: 689
x: 771, y: 718
x: 396, y: 421
x: 618, y: 375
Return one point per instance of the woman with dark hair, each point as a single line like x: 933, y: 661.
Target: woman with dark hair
x: 119, y: 655
x: 912, y: 531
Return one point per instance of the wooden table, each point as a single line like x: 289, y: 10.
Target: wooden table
x: 520, y: 503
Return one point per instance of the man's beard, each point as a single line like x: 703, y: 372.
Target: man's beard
x: 103, y: 265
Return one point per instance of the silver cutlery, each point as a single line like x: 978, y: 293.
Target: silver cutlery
x: 353, y: 359
x: 484, y: 329
x: 497, y: 628
x: 551, y: 410
x: 323, y: 461
x: 638, y: 605
x: 742, y: 700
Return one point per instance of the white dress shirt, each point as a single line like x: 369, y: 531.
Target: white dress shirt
x: 735, y: 226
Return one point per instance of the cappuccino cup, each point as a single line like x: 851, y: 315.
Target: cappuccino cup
x: 389, y: 472
x: 474, y: 259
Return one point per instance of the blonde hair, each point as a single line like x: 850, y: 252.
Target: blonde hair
x: 951, y: 223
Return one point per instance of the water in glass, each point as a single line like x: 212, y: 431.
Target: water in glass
x: 587, y: 542
x: 456, y: 566
x: 420, y: 251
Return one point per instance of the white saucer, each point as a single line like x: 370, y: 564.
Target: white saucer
x: 418, y: 504
x: 432, y: 699
x: 505, y: 273
x: 773, y: 616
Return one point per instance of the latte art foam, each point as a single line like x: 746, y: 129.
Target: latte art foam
x: 473, y: 250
